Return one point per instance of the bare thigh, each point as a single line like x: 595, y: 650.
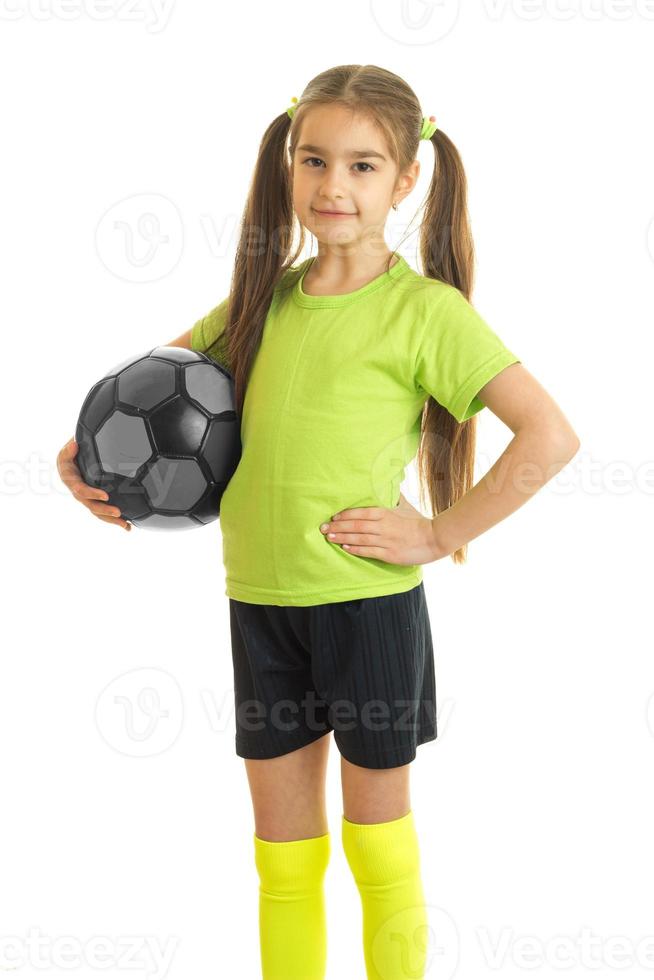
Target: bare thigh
x: 288, y: 792
x: 375, y: 795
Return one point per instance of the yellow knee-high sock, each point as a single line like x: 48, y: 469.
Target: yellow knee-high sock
x: 292, y: 915
x: 385, y: 861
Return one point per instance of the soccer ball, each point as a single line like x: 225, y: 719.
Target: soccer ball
x: 161, y: 435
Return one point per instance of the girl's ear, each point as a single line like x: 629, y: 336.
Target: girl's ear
x: 409, y: 178
x: 412, y: 174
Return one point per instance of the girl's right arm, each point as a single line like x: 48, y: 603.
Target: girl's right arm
x: 94, y: 498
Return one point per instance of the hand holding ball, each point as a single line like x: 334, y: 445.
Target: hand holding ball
x: 161, y: 435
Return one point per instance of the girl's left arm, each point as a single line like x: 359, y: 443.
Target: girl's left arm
x: 543, y: 443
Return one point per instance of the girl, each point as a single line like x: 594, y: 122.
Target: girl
x: 345, y: 366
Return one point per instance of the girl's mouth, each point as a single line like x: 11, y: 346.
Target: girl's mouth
x: 334, y: 214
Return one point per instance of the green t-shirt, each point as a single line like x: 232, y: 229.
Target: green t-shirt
x: 331, y: 419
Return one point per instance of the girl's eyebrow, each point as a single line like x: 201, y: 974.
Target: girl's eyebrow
x: 310, y: 148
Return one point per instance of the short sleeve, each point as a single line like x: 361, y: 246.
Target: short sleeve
x: 207, y: 334
x: 458, y: 354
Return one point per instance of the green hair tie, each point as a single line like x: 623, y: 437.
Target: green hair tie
x: 429, y: 127
x: 428, y: 122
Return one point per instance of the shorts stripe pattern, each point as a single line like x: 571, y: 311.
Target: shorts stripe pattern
x: 363, y: 668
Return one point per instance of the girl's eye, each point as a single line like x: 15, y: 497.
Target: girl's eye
x: 360, y: 163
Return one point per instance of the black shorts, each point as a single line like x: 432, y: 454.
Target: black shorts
x: 363, y: 668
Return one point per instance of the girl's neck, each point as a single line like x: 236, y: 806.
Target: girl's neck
x: 330, y: 274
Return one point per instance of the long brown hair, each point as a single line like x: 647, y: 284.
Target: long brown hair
x: 265, y: 251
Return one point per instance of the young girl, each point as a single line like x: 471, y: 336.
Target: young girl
x: 345, y: 366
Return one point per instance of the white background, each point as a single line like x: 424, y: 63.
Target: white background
x: 534, y: 805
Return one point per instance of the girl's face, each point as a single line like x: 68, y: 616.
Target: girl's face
x: 342, y: 164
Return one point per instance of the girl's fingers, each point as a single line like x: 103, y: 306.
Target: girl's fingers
x: 85, y: 491
x: 104, y: 509
x: 115, y: 520
x: 72, y: 477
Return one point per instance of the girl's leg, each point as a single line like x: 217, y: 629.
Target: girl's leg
x: 381, y: 847
x: 292, y: 849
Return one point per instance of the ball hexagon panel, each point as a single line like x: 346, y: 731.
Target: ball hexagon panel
x: 177, y: 428
x: 146, y: 383
x: 212, y: 389
x: 123, y: 444
x: 174, y: 484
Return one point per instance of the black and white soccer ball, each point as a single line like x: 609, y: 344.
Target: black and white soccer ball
x: 160, y: 434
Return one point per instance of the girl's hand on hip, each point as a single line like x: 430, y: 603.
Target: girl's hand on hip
x: 398, y: 535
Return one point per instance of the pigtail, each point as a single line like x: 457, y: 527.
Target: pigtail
x: 446, y: 453
x: 263, y: 253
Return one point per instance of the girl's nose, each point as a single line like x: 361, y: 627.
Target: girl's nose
x: 332, y: 189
